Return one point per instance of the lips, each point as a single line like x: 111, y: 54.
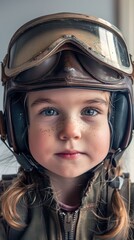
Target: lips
x: 69, y: 154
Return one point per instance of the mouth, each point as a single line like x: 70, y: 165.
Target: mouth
x: 69, y: 154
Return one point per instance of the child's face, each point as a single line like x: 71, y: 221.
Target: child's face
x: 69, y: 131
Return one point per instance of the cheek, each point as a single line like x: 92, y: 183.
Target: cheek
x: 39, y: 138
x: 101, y: 138
x: 104, y: 138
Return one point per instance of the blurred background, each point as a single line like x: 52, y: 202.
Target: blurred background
x: 14, y: 13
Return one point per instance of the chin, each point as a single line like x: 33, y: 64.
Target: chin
x: 71, y: 174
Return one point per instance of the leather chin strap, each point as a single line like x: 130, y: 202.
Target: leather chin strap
x: 28, y: 163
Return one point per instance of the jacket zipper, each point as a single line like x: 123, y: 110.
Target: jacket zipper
x: 69, y: 223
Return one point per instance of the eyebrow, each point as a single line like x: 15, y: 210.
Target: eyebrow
x: 41, y: 100
x: 89, y: 101
x: 98, y: 101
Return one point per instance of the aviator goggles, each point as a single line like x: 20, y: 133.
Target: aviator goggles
x: 36, y: 46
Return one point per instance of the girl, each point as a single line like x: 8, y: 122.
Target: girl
x: 68, y: 117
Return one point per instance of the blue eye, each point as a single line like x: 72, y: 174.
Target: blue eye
x: 49, y: 112
x: 89, y: 112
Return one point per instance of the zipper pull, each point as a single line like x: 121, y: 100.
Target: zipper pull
x: 68, y: 219
x: 69, y: 223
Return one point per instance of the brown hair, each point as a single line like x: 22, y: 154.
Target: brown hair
x: 20, y: 186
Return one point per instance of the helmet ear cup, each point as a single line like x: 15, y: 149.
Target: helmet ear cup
x: 2, y: 126
x: 133, y: 116
x: 119, y: 119
x: 17, y: 124
x: 17, y: 137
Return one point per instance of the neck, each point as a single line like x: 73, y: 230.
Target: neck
x: 68, y: 190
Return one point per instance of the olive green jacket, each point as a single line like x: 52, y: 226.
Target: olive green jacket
x: 45, y: 221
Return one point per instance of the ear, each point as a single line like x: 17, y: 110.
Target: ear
x: 2, y: 126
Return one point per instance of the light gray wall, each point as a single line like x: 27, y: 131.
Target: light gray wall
x: 14, y: 13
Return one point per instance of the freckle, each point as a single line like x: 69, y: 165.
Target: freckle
x: 53, y: 129
x: 44, y: 131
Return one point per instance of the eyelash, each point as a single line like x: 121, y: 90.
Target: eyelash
x: 50, y: 111
x: 90, y: 111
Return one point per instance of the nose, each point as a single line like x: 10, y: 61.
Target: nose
x: 70, y: 129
